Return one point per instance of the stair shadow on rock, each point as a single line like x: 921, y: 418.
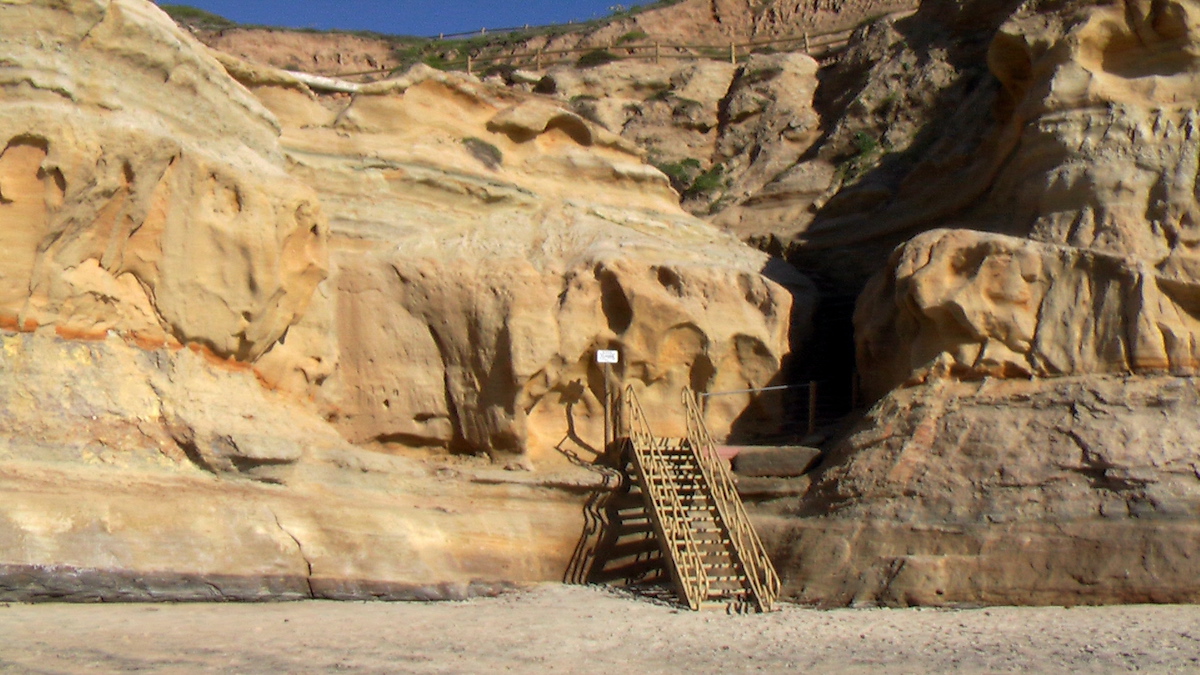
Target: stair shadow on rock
x: 618, y: 545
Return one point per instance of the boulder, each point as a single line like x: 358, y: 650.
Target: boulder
x: 782, y: 462
x: 1076, y: 490
x: 968, y: 304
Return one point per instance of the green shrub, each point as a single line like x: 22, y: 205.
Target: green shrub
x: 681, y: 173
x: 191, y: 16
x: 689, y: 180
x: 865, y: 143
x: 868, y: 150
x: 709, y: 181
x: 596, y: 57
x: 632, y: 36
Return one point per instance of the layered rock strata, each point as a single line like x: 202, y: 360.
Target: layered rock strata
x: 1077, y: 490
x: 487, y: 243
x: 1032, y: 443
x: 150, y: 475
x: 171, y: 359
x: 721, y: 131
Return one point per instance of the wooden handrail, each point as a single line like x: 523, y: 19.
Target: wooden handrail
x: 764, y: 580
x: 686, y: 564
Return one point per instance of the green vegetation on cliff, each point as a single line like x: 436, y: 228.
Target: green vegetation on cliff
x: 192, y: 17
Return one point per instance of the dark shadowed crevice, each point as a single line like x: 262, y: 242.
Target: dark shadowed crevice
x: 613, y: 302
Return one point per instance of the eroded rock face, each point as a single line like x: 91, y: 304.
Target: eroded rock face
x: 145, y: 208
x: 1105, y: 156
x: 150, y: 475
x: 1094, y: 163
x: 971, y: 305
x: 1077, y: 490
x: 487, y: 243
x: 739, y: 126
x: 1031, y: 441
x: 128, y: 211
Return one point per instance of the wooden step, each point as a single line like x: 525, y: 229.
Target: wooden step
x: 673, y: 477
x: 632, y: 525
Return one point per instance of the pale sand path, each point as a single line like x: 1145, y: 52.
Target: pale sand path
x: 588, y: 630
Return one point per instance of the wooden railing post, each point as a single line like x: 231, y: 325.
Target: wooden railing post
x: 812, y: 407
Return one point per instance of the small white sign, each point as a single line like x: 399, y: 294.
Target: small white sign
x: 607, y: 356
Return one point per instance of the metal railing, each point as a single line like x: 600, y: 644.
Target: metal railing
x: 752, y: 555
x: 685, y: 562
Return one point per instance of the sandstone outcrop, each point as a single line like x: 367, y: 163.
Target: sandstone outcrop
x: 1089, y: 164
x: 150, y: 475
x: 721, y: 131
x: 487, y: 243
x: 1031, y: 441
x: 975, y: 305
x: 128, y: 212
x: 1077, y: 490
x: 163, y: 259
x: 308, y: 51
x: 721, y: 22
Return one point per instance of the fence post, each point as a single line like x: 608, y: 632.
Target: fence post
x: 807, y: 49
x: 469, y: 64
x: 656, y: 53
x: 609, y: 426
x: 733, y: 53
x: 812, y: 407
x: 537, y: 59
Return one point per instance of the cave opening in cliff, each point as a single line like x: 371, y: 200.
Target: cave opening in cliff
x: 827, y: 359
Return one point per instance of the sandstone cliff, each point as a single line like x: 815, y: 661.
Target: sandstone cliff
x: 1035, y: 389
x: 181, y: 393
x: 136, y: 215
x: 720, y: 131
x: 487, y: 243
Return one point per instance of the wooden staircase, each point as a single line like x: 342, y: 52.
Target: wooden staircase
x: 711, y: 551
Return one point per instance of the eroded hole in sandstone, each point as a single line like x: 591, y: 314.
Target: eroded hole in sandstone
x: 670, y: 280
x: 701, y: 373
x: 573, y: 127
x: 613, y: 302
x: 21, y: 160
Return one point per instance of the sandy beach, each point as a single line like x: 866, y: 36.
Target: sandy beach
x: 570, y: 629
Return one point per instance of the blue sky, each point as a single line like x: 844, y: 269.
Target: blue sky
x: 407, y: 17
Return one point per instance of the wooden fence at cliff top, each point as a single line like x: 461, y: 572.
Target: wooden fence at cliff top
x: 813, y: 45
x: 817, y: 45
